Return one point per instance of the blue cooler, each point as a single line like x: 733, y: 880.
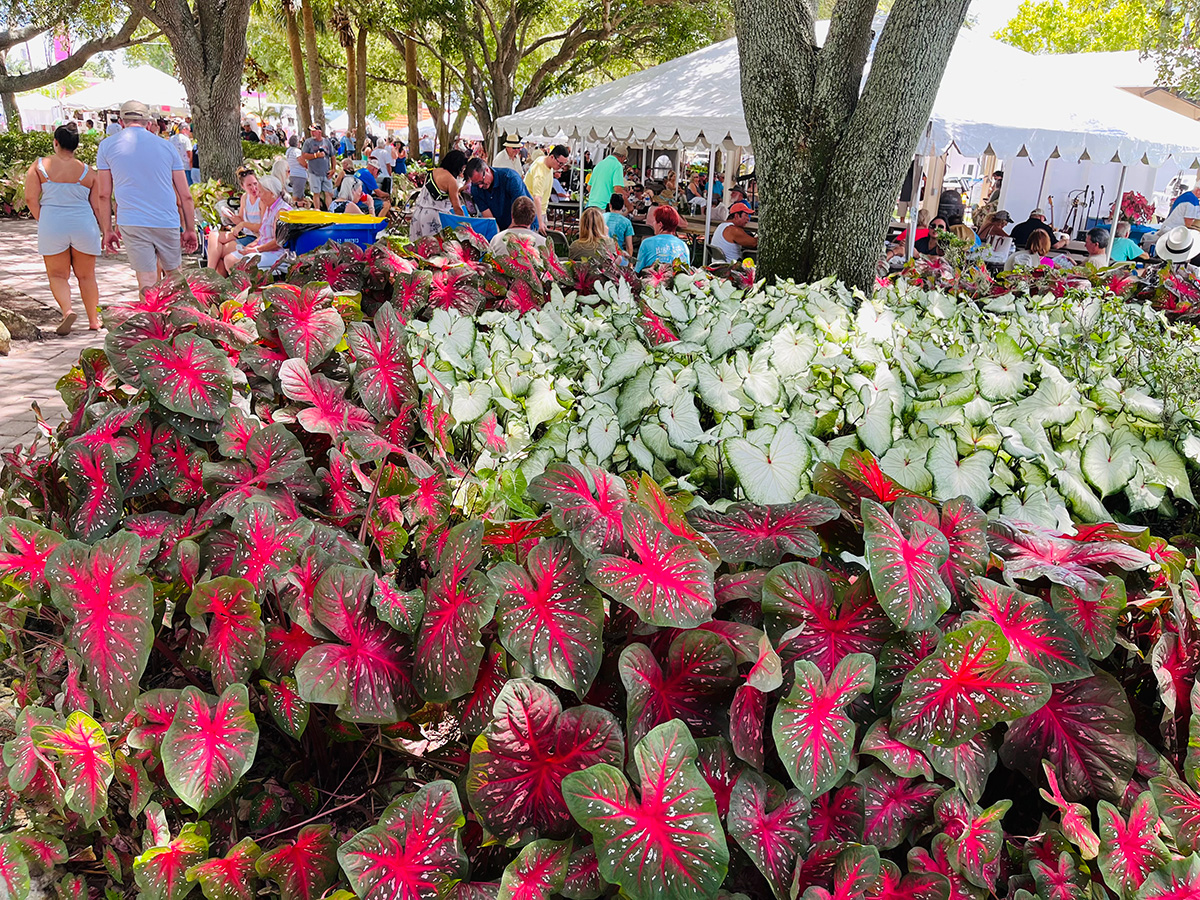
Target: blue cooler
x: 364, y: 234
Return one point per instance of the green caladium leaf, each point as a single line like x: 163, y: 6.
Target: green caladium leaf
x: 905, y: 566
x: 85, y: 763
x: 303, y: 868
x: 160, y: 871
x: 210, y: 745
x: 668, y: 842
x: 235, y: 639
x: 771, y: 825
x: 1130, y: 848
x: 231, y: 877
x: 1108, y: 465
x: 538, y: 873
x: 14, y: 871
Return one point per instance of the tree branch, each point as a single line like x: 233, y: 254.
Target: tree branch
x: 841, y: 61
x: 42, y: 77
x: 13, y: 36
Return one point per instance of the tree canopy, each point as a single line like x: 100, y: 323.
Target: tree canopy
x: 1082, y: 26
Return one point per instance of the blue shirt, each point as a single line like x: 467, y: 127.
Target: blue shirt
x: 141, y: 164
x: 370, y: 185
x: 661, y: 248
x: 1186, y: 197
x: 506, y: 187
x: 1124, y: 250
x: 619, y: 228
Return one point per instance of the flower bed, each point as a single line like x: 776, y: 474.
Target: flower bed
x: 283, y: 614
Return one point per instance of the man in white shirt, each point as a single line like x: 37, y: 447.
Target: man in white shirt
x: 383, y: 159
x: 426, y: 146
x: 509, y: 156
x: 1096, y: 242
x: 521, y: 229
x: 1185, y: 212
x: 182, y: 142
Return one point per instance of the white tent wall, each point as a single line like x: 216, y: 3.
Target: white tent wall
x: 1023, y: 177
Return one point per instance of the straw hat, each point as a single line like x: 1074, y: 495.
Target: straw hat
x: 1178, y: 245
x: 512, y: 141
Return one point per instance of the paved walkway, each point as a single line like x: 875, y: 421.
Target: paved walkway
x: 30, y: 373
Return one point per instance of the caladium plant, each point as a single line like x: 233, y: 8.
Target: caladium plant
x: 366, y: 596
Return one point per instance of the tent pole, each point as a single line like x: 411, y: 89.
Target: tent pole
x: 582, y: 176
x: 1042, y: 186
x: 712, y: 163
x: 645, y: 155
x: 910, y: 241
x: 1116, y: 216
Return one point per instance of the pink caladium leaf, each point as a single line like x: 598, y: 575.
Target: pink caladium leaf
x: 670, y: 582
x: 1179, y: 806
x: 210, y: 745
x: 549, y: 617
x: 84, y: 763
x: 154, y: 712
x: 1092, y: 612
x: 1086, y: 731
x: 234, y: 644
x: 520, y: 760
x: 402, y: 610
x: 965, y: 528
x: 538, y: 873
x: 231, y: 877
x: 751, y: 647
x: 41, y: 849
x: 1061, y: 881
x: 900, y: 655
x: 29, y: 770
x: 901, y: 759
x: 1031, y: 553
x: 771, y: 825
x: 814, y: 733
x: 1179, y: 880
x: 272, y: 456
x: 859, y: 477
x: 24, y: 549
x: 583, y: 880
x: 132, y: 774
x: 288, y: 708
x: 1130, y: 849
x: 266, y: 542
x: 893, y: 806
x: 285, y: 649
x: 110, y: 608
x: 668, y: 844
x: 586, y: 503
x: 190, y: 375
x: 892, y: 885
x: 764, y: 535
x: 475, y: 709
x: 369, y: 673
x: 305, y: 320
x: 160, y: 871
x: 976, y: 836
x: 967, y: 765
x: 719, y: 768
x: 328, y: 411
x: 747, y: 715
x: 966, y: 687
x: 459, y: 601
x: 696, y: 686
x: 812, y: 618
x: 837, y: 816
x: 905, y: 565
x: 1076, y: 818
x: 97, y: 498
x: 303, y: 868
x: 121, y: 338
x: 1036, y: 635
x: 936, y: 862
x: 383, y: 373
x: 415, y: 850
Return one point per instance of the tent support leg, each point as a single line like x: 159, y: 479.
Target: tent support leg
x: 582, y: 177
x: 712, y: 163
x: 1042, y: 186
x: 910, y: 242
x: 1116, y: 216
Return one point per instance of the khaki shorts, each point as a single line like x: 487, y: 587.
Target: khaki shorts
x: 147, y: 247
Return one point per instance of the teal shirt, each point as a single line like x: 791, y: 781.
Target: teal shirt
x: 1124, y: 250
x: 609, y: 173
x: 619, y: 228
x: 661, y: 248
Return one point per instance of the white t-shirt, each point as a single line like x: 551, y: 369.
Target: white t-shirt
x: 1176, y: 217
x: 295, y: 169
x: 499, y: 245
x: 503, y: 161
x: 426, y: 144
x: 183, y: 146
x: 384, y: 159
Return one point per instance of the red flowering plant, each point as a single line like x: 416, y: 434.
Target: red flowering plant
x: 1135, y: 208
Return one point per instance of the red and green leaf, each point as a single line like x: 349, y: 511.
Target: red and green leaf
x: 383, y: 371
x: 583, y: 880
x: 1035, y: 634
x: 901, y: 759
x: 814, y: 733
x: 520, y: 760
x: 1130, y: 849
x: 160, y: 871
x: 155, y: 710
x: 41, y: 849
x: 696, y: 687
x: 1179, y: 806
x: 110, y: 609
x: 14, y: 871
x: 1092, y: 612
x: 670, y: 583
x: 764, y: 535
x: 549, y: 618
x: 966, y: 687
x: 892, y: 885
x: 28, y: 547
x: 976, y: 836
x: 905, y: 566
x: 210, y: 745
x: 538, y: 873
x: 84, y: 763
x: 1030, y: 553
x: 747, y: 717
x: 235, y: 640
x: 97, y: 500
x: 1178, y: 880
x: 303, y: 868
x: 586, y: 503
x: 965, y: 528
x: 190, y: 375
x: 1076, y: 818
x: 231, y: 877
x: 893, y: 806
x: 668, y: 844
x: 304, y: 318
x: 288, y: 708
x: 415, y: 850
x: 327, y: 411
x: 771, y: 825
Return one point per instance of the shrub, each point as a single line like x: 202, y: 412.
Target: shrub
x: 255, y: 150
x: 266, y: 628
x: 23, y: 147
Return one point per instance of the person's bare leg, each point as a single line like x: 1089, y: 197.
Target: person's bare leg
x: 146, y: 280
x: 328, y: 201
x: 84, y: 265
x: 215, y: 246
x: 58, y: 273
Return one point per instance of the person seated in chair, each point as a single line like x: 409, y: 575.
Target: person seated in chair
x: 522, y: 216
x: 243, y: 228
x: 374, y: 196
x: 1124, y: 249
x: 731, y: 237
x: 268, y: 250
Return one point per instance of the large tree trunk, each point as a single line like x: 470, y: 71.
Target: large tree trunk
x: 829, y: 163
x: 360, y: 91
x: 11, y: 111
x: 303, y: 109
x: 351, y: 87
x: 410, y: 90
x: 314, y: 64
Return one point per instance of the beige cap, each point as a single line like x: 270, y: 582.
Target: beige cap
x: 621, y: 150
x: 134, y: 109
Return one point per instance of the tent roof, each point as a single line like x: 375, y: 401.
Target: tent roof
x: 1027, y: 106
x: 146, y: 83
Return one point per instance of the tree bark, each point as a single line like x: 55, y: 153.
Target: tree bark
x: 303, y: 108
x: 828, y: 161
x: 316, y: 94
x: 360, y: 91
x: 11, y: 111
x: 410, y: 78
x: 351, y: 86
x: 31, y: 81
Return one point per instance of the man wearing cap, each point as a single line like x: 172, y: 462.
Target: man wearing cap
x: 509, y: 156
x: 145, y: 176
x: 369, y: 176
x: 608, y: 177
x: 1035, y: 222
x: 994, y: 226
x: 317, y: 155
x: 731, y: 237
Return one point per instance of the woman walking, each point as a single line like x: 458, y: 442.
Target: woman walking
x: 61, y: 194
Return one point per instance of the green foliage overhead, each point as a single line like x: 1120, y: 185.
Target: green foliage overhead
x: 1081, y: 26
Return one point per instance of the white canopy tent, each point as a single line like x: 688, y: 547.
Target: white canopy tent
x: 145, y: 83
x: 340, y: 121
x: 39, y: 112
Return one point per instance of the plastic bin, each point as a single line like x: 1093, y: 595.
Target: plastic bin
x: 351, y: 233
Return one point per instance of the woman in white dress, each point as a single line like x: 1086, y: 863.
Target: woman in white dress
x: 440, y: 195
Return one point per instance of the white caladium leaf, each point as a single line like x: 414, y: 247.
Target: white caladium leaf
x: 955, y: 477
x: 603, y: 433
x: 1109, y: 464
x: 470, y: 400
x: 454, y: 337
x: 1162, y: 465
x: 905, y: 462
x: 1001, y: 373
x: 875, y: 427
x: 718, y: 386
x: 626, y: 364
x: 770, y: 473
x: 791, y: 351
x: 542, y: 404
x: 682, y: 421
x: 728, y: 333
x: 1055, y: 402
x: 759, y: 380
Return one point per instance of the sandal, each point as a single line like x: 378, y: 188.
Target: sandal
x: 64, y: 327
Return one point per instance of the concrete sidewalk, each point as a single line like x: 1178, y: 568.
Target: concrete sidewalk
x: 30, y: 373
